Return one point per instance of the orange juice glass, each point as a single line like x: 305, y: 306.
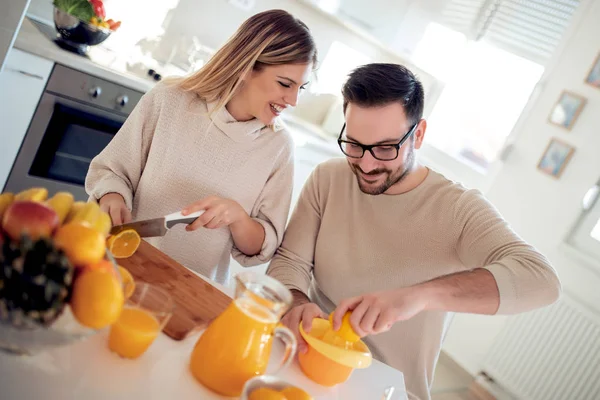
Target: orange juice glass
x: 146, y: 312
x: 236, y: 346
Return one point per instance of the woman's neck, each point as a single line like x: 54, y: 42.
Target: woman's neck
x: 238, y: 109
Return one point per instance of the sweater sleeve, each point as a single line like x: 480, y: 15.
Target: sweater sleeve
x: 118, y: 168
x: 272, y: 208
x: 524, y: 277
x: 293, y: 263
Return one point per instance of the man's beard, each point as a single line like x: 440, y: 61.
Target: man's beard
x: 391, y: 177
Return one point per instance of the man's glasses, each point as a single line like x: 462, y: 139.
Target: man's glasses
x: 382, y: 152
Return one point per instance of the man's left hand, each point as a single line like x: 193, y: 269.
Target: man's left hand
x: 375, y: 313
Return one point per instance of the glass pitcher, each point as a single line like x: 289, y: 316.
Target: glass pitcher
x: 236, y: 346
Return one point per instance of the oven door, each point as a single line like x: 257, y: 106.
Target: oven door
x: 63, y: 138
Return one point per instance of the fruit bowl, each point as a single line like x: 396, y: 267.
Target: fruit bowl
x: 25, y: 337
x: 78, y: 35
x: 58, y: 280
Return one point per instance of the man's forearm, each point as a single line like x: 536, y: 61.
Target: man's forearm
x: 472, y: 292
x: 298, y: 298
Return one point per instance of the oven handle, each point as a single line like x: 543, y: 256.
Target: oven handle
x: 90, y: 109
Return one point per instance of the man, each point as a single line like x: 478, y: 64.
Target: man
x: 398, y: 244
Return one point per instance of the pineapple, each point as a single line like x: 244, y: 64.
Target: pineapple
x: 35, y: 282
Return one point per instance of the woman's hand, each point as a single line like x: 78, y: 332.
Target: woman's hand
x: 114, y: 205
x: 248, y: 235
x: 218, y: 212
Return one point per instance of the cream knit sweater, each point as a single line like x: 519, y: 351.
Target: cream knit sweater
x: 342, y: 243
x: 169, y: 153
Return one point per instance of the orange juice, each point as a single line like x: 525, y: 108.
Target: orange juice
x: 235, y: 347
x: 133, y: 333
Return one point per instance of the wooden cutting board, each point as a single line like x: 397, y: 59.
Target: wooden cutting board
x: 196, y: 301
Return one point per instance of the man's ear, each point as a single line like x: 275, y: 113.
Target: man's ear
x: 420, y: 133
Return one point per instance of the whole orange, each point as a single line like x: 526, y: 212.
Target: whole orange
x: 97, y: 299
x: 102, y: 265
x: 82, y: 245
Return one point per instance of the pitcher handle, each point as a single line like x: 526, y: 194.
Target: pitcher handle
x: 287, y: 337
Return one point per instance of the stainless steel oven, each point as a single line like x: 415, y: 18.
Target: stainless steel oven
x: 76, y: 118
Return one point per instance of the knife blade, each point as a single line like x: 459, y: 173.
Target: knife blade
x: 157, y: 226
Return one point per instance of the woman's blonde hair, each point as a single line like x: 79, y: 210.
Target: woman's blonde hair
x: 271, y: 37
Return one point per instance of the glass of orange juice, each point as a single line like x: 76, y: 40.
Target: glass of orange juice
x: 145, y: 314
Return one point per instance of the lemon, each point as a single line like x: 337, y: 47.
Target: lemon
x: 345, y: 332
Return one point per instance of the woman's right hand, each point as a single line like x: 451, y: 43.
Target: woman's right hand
x: 114, y: 205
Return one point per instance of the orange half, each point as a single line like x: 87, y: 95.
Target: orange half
x: 123, y: 244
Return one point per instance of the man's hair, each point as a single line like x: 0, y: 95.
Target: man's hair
x: 379, y: 84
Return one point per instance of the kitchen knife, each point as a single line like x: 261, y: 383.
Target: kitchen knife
x: 157, y: 226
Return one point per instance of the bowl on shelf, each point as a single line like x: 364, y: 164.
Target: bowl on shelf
x: 77, y: 35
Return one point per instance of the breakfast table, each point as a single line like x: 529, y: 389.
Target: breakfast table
x: 87, y: 369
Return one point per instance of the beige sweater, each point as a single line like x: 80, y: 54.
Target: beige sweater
x: 353, y: 243
x: 169, y: 153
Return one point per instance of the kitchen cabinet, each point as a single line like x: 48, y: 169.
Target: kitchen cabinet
x: 22, y: 83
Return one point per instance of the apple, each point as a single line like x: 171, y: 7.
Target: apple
x: 31, y: 218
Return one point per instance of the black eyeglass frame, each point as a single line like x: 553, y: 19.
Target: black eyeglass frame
x: 370, y: 147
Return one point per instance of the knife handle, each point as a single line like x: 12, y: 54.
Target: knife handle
x: 177, y: 218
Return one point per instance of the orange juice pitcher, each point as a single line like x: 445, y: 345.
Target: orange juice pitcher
x: 236, y: 346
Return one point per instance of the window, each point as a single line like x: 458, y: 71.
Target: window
x: 486, y: 89
x: 585, y: 236
x: 490, y: 54
x: 338, y: 63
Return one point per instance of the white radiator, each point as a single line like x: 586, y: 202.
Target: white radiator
x: 549, y: 354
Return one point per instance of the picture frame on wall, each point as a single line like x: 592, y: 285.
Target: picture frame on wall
x: 556, y: 157
x: 567, y: 109
x: 593, y: 77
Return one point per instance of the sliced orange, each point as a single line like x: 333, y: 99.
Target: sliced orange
x: 295, y: 393
x: 264, y: 393
x: 123, y: 244
x: 346, y: 332
x: 128, y: 282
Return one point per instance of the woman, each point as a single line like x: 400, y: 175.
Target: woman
x: 212, y: 142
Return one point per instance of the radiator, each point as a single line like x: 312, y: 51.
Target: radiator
x: 548, y: 354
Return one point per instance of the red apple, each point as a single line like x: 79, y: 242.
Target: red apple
x: 28, y: 217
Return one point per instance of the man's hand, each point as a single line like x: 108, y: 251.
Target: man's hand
x: 304, y: 313
x: 376, y: 312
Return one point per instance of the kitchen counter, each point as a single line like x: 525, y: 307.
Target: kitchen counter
x: 113, y: 67
x: 88, y: 370
x: 101, y: 62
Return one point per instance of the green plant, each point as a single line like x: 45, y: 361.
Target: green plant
x: 81, y: 9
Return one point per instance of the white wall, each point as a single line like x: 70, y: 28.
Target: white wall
x: 214, y: 24
x: 540, y: 208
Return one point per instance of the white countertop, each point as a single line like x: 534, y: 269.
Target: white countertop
x: 101, y: 62
x: 88, y: 370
